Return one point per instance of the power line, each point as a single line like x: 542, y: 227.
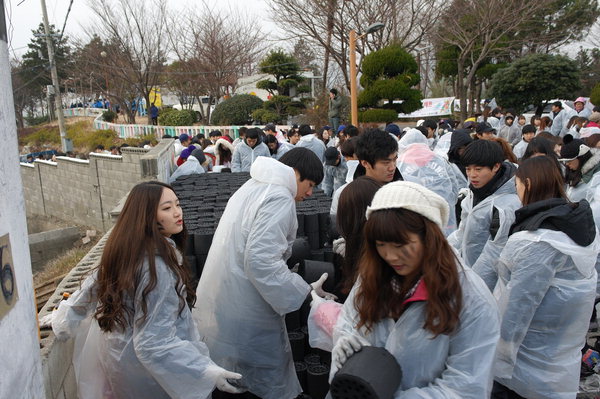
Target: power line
x: 62, y: 31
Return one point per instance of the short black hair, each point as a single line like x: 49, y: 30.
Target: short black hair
x: 270, y: 139
x: 304, y: 130
x: 334, y: 92
x: 252, y: 133
x: 242, y: 131
x: 430, y: 123
x: 305, y: 162
x: 375, y: 144
x: 423, y: 130
x: 482, y: 153
x: 351, y: 131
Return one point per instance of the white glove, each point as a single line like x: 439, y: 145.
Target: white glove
x: 316, y: 299
x: 221, y: 377
x: 345, y: 347
x: 317, y: 287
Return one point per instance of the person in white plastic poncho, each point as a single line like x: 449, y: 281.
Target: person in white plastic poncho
x: 135, y: 336
x: 546, y: 288
x: 246, y: 288
x: 415, y: 299
x: 417, y: 163
x: 488, y: 209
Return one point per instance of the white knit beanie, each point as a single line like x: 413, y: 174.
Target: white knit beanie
x: 414, y: 197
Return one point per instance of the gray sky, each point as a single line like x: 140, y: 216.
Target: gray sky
x: 22, y: 18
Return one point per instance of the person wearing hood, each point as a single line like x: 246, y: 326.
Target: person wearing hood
x: 309, y: 140
x: 487, y: 211
x: 223, y: 153
x: 459, y: 140
x: 194, y: 165
x: 248, y: 151
x: 580, y: 109
x: 510, y: 132
x: 417, y: 163
x: 581, y: 173
x: 277, y: 148
x: 560, y: 117
x: 335, y: 171
x: 527, y: 133
x: 546, y: 288
x: 246, y: 288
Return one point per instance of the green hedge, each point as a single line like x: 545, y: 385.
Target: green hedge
x: 174, y: 117
x: 236, y: 111
x: 378, y: 115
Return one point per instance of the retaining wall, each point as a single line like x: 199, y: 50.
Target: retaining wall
x: 86, y: 191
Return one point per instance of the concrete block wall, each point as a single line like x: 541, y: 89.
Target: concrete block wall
x: 86, y: 191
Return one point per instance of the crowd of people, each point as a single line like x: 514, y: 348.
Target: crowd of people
x: 469, y: 253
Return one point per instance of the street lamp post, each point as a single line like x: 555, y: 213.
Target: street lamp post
x: 353, y: 72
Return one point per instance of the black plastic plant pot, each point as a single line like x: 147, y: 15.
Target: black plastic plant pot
x: 371, y: 373
x: 329, y: 255
x: 312, y: 270
x: 292, y: 320
x: 323, y: 221
x: 300, y: 251
x: 317, y: 255
x: 314, y: 239
x: 317, y: 381
x: 297, y: 343
x: 311, y: 223
x: 300, y: 217
x: 312, y: 359
x: 189, y: 244
x: 192, y: 263
x: 302, y: 374
x: 202, y: 242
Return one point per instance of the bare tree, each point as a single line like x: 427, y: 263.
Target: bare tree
x: 213, y: 50
x: 327, y: 24
x: 135, y: 51
x: 481, y: 30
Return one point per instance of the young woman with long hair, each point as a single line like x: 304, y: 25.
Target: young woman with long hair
x: 141, y: 341
x: 354, y: 200
x: 546, y: 288
x: 413, y: 297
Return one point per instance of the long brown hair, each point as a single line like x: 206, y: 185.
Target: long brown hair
x: 545, y: 122
x: 134, y: 238
x: 541, y: 178
x: 509, y: 155
x: 376, y: 298
x: 354, y: 200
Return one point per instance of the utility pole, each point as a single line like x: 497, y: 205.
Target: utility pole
x: 65, y: 143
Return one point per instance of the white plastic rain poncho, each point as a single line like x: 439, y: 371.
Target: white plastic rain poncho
x: 161, y: 357
x: 589, y: 186
x: 244, y: 156
x: 417, y: 163
x: 246, y: 288
x: 546, y: 291
x: 458, y: 365
x: 282, y: 148
x: 314, y: 144
x: 334, y: 177
x: 189, y: 167
x: 474, y: 241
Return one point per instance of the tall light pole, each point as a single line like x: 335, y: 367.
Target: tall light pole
x: 65, y: 143
x: 353, y: 84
